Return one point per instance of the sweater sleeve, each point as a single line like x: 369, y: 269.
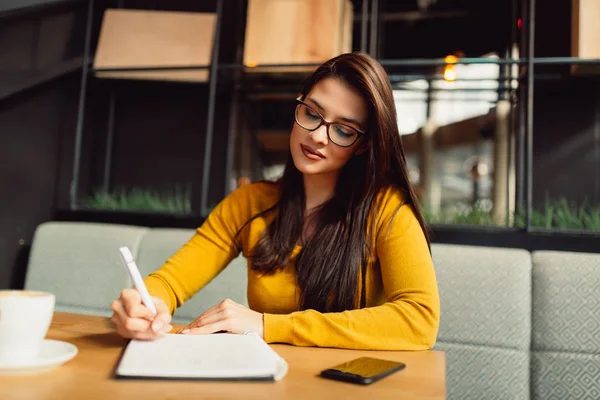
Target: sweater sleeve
x: 409, y: 318
x: 205, y: 255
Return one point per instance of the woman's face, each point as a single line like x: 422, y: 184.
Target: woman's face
x: 314, y: 152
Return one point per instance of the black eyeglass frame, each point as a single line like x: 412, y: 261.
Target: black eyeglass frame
x: 326, y: 123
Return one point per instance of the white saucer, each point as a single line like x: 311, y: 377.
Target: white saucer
x: 52, y: 354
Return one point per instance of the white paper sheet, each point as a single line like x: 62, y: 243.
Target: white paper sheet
x: 217, y: 356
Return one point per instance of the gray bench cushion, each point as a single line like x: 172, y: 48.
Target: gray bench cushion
x: 80, y: 264
x: 566, y: 322
x: 562, y: 376
x: 486, y: 304
x: 160, y: 244
x: 485, y: 295
x: 485, y: 326
x: 479, y: 372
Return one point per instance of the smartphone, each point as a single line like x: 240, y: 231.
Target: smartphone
x: 364, y: 370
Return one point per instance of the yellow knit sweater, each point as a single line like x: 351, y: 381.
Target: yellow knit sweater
x: 402, y: 304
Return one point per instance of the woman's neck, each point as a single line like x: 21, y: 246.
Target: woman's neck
x: 318, y: 189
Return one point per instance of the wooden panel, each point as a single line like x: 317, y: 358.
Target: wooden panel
x: 296, y: 31
x: 585, y: 35
x: 143, y: 38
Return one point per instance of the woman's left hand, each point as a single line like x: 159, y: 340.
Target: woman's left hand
x: 227, y: 316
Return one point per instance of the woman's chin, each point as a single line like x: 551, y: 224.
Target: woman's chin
x: 307, y: 167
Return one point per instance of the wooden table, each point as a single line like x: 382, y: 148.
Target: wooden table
x: 89, y: 374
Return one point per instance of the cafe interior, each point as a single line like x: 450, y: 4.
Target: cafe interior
x: 127, y: 122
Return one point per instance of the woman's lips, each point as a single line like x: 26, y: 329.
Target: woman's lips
x: 311, y: 153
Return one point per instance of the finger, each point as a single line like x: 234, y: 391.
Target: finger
x: 116, y: 320
x: 141, y: 311
x: 127, y: 322
x: 163, y: 316
x: 133, y: 328
x: 130, y: 299
x: 223, y: 305
x: 161, y: 306
x: 190, y: 325
x: 136, y: 325
x: 222, y: 325
x: 162, y: 311
x: 145, y: 335
x: 134, y: 306
x: 211, y: 310
x: 211, y: 319
x: 119, y: 310
x: 228, y: 303
x: 136, y: 328
x: 206, y: 318
x: 124, y: 333
x: 160, y: 327
x: 206, y: 313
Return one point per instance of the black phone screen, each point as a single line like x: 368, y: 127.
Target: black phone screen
x: 363, y: 370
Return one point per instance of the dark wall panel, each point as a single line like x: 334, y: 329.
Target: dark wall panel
x: 30, y: 137
x: 38, y: 104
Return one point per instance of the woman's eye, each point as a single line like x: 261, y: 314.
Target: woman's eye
x: 311, y: 114
x: 344, y: 131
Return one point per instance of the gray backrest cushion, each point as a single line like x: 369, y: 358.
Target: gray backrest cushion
x: 566, y: 289
x: 160, y: 244
x: 566, y: 322
x: 485, y: 295
x: 80, y: 264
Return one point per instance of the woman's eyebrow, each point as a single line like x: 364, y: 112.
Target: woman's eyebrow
x: 316, y: 103
x: 352, y: 121
x: 320, y: 107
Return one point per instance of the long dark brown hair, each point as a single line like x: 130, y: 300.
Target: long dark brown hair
x: 329, y: 265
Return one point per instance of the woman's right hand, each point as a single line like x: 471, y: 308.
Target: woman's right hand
x: 135, y: 321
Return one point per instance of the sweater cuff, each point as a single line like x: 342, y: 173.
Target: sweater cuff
x: 278, y: 328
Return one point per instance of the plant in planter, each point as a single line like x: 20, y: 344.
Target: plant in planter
x: 176, y: 201
x: 557, y: 214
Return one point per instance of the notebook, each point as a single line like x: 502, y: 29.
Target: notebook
x: 220, y: 356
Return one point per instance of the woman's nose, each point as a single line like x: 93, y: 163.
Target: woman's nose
x: 320, y: 135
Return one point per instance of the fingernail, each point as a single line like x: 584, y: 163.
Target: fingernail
x: 186, y: 330
x: 157, y: 326
x: 169, y: 328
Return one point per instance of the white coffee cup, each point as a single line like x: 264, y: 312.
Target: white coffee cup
x: 25, y: 317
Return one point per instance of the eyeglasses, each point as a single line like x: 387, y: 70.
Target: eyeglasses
x: 340, y: 134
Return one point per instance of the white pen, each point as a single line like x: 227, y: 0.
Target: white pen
x: 136, y: 277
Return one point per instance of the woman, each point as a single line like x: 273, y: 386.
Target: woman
x: 337, y: 248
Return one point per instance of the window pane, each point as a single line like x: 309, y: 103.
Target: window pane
x: 449, y: 125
